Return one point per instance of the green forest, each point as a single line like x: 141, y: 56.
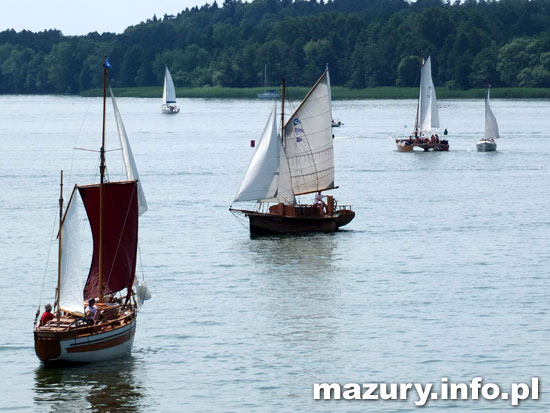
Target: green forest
x: 367, y: 44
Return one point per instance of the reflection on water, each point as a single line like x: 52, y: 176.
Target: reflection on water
x: 99, y: 387
x: 306, y: 254
x: 301, y: 284
x: 269, y: 316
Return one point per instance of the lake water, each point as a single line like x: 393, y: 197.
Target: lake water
x: 443, y: 273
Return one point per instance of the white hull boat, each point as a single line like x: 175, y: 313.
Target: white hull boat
x: 169, y: 109
x: 488, y: 143
x: 169, y: 106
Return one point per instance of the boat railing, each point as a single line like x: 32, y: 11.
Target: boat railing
x: 111, y: 321
x: 344, y: 207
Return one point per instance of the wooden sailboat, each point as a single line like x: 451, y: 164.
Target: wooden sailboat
x: 112, y: 209
x: 169, y: 105
x: 427, y: 117
x: 488, y: 144
x: 299, y: 161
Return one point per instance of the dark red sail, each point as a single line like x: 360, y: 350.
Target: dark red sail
x: 120, y: 235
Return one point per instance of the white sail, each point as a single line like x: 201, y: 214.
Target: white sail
x: 491, y: 127
x: 329, y: 93
x: 427, y: 114
x: 128, y: 157
x: 169, y: 92
x: 267, y: 178
x: 308, y: 141
x: 71, y: 297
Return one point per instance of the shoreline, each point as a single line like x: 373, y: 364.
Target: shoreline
x: 297, y: 93
x: 338, y: 93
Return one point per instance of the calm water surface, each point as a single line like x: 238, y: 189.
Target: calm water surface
x: 444, y: 271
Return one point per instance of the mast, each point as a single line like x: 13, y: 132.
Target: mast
x: 283, y: 113
x: 101, y: 183
x: 58, y: 311
x: 416, y: 121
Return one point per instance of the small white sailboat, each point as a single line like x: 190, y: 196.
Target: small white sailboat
x: 268, y: 93
x: 427, y: 117
x: 113, y: 209
x: 169, y: 105
x: 488, y: 144
x: 335, y: 123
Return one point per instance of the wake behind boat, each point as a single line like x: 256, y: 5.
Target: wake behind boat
x: 169, y: 105
x: 488, y: 144
x: 299, y: 161
x: 427, y: 117
x: 81, y: 330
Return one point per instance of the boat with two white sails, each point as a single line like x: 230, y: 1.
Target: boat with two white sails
x: 427, y: 117
x: 298, y: 161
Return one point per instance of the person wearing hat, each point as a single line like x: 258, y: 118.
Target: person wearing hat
x: 46, y: 315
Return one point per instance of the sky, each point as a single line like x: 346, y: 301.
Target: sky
x: 79, y: 17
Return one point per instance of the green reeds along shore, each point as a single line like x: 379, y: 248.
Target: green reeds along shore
x: 338, y: 93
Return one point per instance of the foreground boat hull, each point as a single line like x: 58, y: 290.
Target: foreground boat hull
x: 485, y: 146
x: 407, y: 146
x: 84, y: 345
x: 269, y: 224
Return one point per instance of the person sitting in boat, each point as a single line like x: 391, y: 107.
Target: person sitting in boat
x: 114, y: 301
x: 46, y: 315
x: 91, y: 311
x: 436, y: 138
x: 320, y: 203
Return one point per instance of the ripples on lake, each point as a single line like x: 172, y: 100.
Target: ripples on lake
x: 444, y: 271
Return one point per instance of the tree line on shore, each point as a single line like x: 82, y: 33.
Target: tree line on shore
x: 367, y: 43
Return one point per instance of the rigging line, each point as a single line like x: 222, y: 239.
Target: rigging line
x: 47, y: 261
x: 239, y: 219
x: 76, y: 139
x: 141, y: 263
x: 93, y: 150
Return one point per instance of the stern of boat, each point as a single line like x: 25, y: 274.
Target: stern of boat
x: 344, y: 217
x: 484, y: 146
x: 47, y: 345
x: 404, y: 145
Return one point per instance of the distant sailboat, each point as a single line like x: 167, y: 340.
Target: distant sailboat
x: 169, y: 105
x: 299, y: 163
x: 268, y: 93
x: 427, y: 117
x: 113, y: 209
x: 335, y: 123
x: 488, y: 143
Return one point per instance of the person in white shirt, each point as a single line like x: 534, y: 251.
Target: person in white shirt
x: 319, y: 201
x: 91, y: 311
